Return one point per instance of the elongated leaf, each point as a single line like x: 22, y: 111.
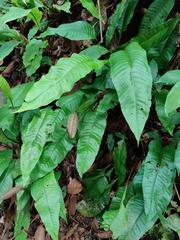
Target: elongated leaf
x: 170, y: 78
x: 79, y: 30
x: 119, y: 225
x: 52, y: 154
x: 159, y: 173
x: 160, y: 102
x: 7, y: 48
x: 4, y: 85
x: 138, y: 223
x: 132, y: 80
x: 129, y: 13
x: 173, y: 222
x: 177, y: 158
x: 60, y: 79
x: 72, y: 124
x: 90, y: 6
x: 119, y: 157
x: 19, y: 93
x: 13, y: 14
x: 95, y: 51
x: 158, y: 34
x: 34, y: 140
x: 5, y: 157
x: 121, y: 7
x: 90, y: 136
x: 22, y: 220
x: 156, y: 14
x: 33, y: 55
x: 6, y: 181
x: 173, y: 99
x: 6, y: 33
x: 46, y: 194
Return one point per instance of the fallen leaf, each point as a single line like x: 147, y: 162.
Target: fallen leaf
x: 12, y: 192
x: 72, y: 124
x: 74, y: 187
x: 40, y: 233
x: 104, y: 235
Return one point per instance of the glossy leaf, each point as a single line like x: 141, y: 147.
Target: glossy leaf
x: 138, y: 223
x: 90, y: 136
x: 22, y: 219
x: 90, y: 6
x: 159, y: 173
x: 46, y: 194
x: 4, y: 86
x: 129, y: 13
x: 95, y: 51
x: 13, y: 14
x: 131, y: 76
x: 160, y: 102
x: 7, y: 48
x: 114, y: 21
x: 158, y: 34
x: 170, y: 78
x: 53, y: 154
x: 79, y: 30
x: 60, y: 79
x: 5, y: 157
x: 157, y: 12
x: 33, y: 55
x: 173, y: 99
x: 34, y: 140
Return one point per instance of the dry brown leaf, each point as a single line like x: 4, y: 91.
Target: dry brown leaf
x: 71, y: 203
x: 72, y: 124
x: 104, y: 235
x: 40, y: 233
x: 74, y: 186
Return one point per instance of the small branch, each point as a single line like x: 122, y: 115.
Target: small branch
x: 100, y: 20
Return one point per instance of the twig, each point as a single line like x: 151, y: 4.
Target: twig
x: 100, y: 20
x: 177, y: 193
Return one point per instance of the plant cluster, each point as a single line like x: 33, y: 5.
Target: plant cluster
x: 66, y: 110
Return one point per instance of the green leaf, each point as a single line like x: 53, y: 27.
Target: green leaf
x: 119, y: 225
x: 33, y: 55
x: 6, y: 181
x: 13, y: 14
x: 138, y: 223
x: 129, y: 13
x: 95, y: 51
x: 7, y: 48
x: 173, y: 222
x: 47, y: 196
x: 7, y: 118
x: 19, y: 93
x: 177, y: 158
x: 6, y: 33
x: 63, y: 7
x: 131, y: 76
x: 4, y: 85
x: 90, y: 6
x: 173, y: 99
x: 158, y: 34
x: 5, y: 157
x: 119, y: 157
x: 79, y: 30
x: 90, y: 136
x: 53, y: 153
x: 34, y: 140
x: 60, y: 79
x: 114, y: 21
x: 170, y: 78
x: 35, y: 15
x: 22, y: 220
x: 159, y: 173
x: 160, y: 102
x: 3, y: 138
x: 156, y: 14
